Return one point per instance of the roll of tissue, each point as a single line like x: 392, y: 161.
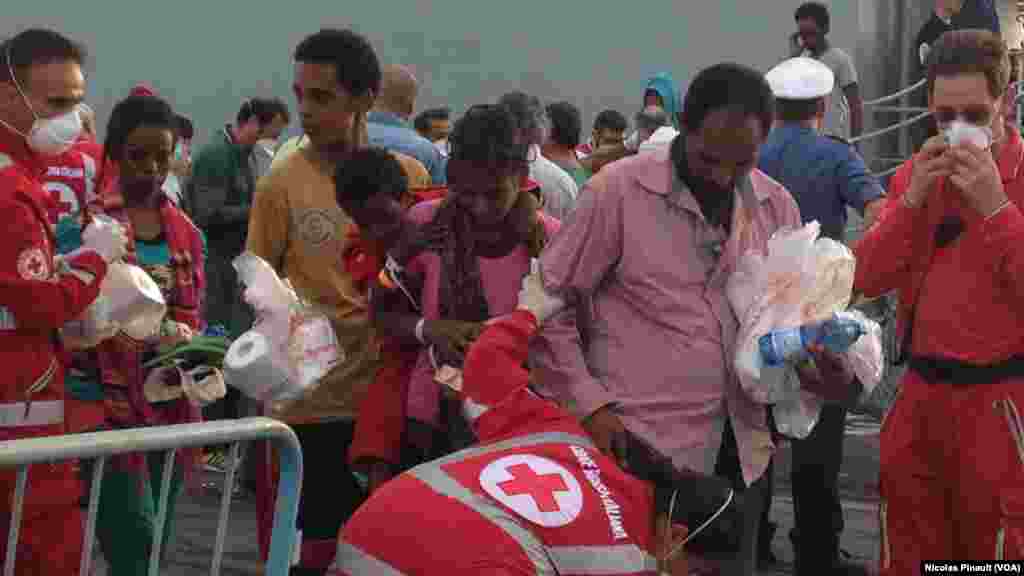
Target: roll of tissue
x: 250, y: 366
x: 133, y: 300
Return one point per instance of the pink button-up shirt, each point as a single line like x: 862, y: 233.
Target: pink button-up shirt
x: 661, y: 333
x: 501, y: 279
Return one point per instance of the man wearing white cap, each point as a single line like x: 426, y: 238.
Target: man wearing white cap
x: 825, y: 175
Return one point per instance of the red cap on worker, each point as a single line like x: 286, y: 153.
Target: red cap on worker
x: 142, y: 90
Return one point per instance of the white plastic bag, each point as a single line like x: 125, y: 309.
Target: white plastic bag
x: 800, y: 279
x: 865, y: 356
x: 290, y: 347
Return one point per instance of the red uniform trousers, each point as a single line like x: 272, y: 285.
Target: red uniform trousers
x: 51, y: 532
x: 952, y: 478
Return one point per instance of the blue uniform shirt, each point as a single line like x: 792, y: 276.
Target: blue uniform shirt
x: 390, y: 132
x: 824, y: 175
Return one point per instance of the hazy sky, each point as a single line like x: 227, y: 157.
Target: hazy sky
x: 207, y: 56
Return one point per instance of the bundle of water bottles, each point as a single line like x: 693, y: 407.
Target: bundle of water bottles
x: 791, y: 297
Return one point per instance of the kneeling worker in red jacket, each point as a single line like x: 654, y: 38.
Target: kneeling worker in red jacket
x: 535, y: 496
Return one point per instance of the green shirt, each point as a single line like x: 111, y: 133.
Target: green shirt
x: 221, y: 188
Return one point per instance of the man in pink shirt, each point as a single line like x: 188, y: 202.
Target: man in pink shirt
x: 649, y: 251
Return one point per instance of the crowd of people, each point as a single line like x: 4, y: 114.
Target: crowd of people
x: 536, y: 344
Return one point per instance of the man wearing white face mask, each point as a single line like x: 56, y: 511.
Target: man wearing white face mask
x: 951, y: 240
x: 41, y: 85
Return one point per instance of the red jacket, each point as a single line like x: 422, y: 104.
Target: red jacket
x: 967, y: 296
x: 72, y: 179
x: 535, y: 493
x: 37, y: 298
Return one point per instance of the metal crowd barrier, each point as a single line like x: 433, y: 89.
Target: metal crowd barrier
x: 919, y: 114
x: 168, y: 439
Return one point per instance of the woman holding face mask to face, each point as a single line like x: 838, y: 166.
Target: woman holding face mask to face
x: 140, y: 143
x: 951, y: 240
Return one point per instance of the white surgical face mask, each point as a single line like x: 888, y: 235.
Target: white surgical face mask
x: 48, y: 136
x: 959, y: 131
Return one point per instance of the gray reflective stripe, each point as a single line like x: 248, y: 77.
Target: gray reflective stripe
x: 520, y: 442
x: 355, y: 562
x: 5, y: 161
x: 620, y: 559
x: 437, y: 479
x: 442, y: 483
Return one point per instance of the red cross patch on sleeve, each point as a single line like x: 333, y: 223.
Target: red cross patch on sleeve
x: 33, y: 265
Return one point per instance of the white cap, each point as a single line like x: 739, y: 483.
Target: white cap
x: 801, y: 79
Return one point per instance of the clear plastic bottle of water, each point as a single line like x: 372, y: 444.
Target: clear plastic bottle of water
x: 836, y: 334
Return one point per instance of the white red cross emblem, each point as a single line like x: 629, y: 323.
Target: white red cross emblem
x: 32, y: 264
x: 538, y: 489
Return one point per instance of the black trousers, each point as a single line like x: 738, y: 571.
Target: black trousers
x: 755, y: 499
x: 816, y: 505
x: 330, y: 493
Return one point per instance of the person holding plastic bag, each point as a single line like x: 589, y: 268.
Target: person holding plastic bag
x: 652, y: 245
x: 951, y: 241
x: 297, y: 227
x: 826, y: 176
x: 164, y: 243
x: 41, y: 84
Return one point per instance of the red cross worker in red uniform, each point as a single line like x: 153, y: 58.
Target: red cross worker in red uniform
x: 951, y: 241
x: 41, y: 85
x: 535, y: 496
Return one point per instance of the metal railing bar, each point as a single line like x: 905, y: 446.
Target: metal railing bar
x: 98, y: 466
x: 900, y: 109
x: 161, y: 512
x: 151, y: 439
x: 886, y: 172
x: 16, y: 509
x: 286, y: 509
x: 22, y: 453
x: 225, y: 508
x: 898, y: 94
x: 891, y: 127
x: 890, y: 162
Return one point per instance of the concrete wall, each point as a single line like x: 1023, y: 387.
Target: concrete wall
x: 207, y: 56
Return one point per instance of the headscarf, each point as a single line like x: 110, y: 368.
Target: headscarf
x: 460, y: 293
x: 665, y: 86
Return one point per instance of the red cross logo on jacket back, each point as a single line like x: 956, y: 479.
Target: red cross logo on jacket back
x: 540, y: 487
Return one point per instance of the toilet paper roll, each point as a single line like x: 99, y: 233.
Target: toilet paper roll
x: 251, y: 366
x: 133, y: 300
